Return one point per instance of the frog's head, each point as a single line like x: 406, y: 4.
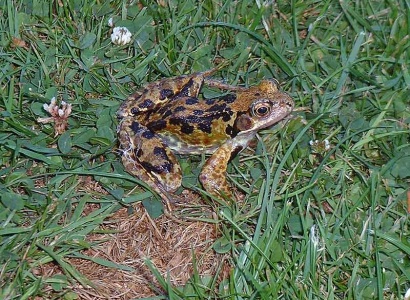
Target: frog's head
x: 266, y: 105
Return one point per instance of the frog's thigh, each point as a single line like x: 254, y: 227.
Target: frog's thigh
x: 213, y: 174
x: 153, y: 160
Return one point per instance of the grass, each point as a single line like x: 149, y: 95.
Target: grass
x: 325, y: 224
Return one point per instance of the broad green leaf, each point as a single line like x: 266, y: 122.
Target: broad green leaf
x: 222, y: 245
x: 153, y: 207
x: 401, y: 168
x: 276, y: 252
x: 12, y: 200
x: 83, y: 137
x: 256, y: 173
x: 86, y: 40
x: 65, y: 142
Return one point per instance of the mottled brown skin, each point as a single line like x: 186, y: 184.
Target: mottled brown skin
x: 167, y: 117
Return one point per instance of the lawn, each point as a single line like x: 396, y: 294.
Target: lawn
x: 325, y: 197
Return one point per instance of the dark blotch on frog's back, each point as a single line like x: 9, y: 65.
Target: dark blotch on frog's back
x: 187, y: 129
x: 165, y: 93
x: 210, y: 101
x: 147, y: 103
x: 136, y: 127
x: 148, y: 134
x: 205, y: 127
x: 179, y: 109
x: 191, y: 101
x: 185, y: 126
x: 160, y: 152
x: 230, y: 98
x: 219, y: 111
x: 216, y: 107
x: 198, y: 112
x: 204, y: 118
x: 160, y: 169
x: 157, y: 125
x: 134, y: 111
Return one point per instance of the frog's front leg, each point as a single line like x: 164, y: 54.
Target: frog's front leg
x: 147, y: 157
x: 223, y: 86
x: 213, y: 174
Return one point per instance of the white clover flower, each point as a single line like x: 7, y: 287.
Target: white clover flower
x: 121, y: 36
x: 407, y: 295
x: 327, y: 144
x: 110, y: 22
x: 59, y: 115
x: 319, y: 146
x: 48, y: 107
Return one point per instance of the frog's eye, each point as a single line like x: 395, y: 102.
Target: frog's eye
x: 261, y: 109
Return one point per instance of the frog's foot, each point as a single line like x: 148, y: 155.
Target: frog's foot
x: 172, y: 200
x: 214, y: 181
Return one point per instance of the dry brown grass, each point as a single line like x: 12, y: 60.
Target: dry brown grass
x: 168, y: 242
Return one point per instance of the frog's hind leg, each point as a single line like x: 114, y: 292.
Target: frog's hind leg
x: 186, y: 85
x: 145, y: 156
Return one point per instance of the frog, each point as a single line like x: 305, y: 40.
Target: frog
x: 167, y: 117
